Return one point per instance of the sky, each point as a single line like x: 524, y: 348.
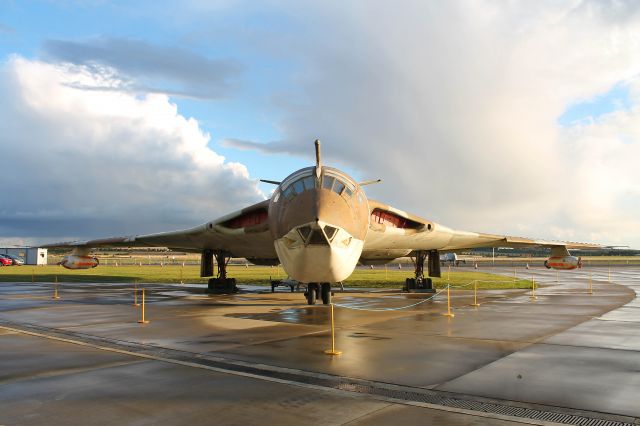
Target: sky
x: 509, y: 117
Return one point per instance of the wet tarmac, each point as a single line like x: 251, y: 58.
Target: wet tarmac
x: 258, y: 357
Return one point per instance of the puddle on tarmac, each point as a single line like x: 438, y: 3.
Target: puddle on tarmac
x: 306, y: 316
x: 360, y: 335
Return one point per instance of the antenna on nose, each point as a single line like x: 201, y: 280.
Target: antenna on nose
x: 317, y: 143
x: 318, y: 165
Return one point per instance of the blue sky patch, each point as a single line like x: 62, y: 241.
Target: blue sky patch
x: 615, y: 99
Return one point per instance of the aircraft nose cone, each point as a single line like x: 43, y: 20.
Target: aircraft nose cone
x: 319, y: 206
x: 334, y: 209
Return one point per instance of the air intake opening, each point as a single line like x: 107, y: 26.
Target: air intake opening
x: 393, y: 220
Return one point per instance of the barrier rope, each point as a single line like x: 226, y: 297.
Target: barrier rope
x: 484, y: 281
x: 356, y: 308
x: 461, y: 285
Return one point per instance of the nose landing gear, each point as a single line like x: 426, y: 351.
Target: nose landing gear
x: 311, y: 293
x: 317, y: 291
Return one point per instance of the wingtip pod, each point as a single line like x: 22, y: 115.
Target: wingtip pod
x: 74, y: 261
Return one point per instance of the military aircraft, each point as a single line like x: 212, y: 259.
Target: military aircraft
x: 319, y: 224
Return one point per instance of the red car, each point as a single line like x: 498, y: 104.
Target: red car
x: 5, y: 261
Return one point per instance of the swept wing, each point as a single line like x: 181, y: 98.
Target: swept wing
x: 244, y: 233
x: 394, y: 233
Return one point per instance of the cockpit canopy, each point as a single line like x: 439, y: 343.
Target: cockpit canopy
x: 305, y: 179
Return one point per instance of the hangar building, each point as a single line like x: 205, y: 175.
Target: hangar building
x: 31, y: 255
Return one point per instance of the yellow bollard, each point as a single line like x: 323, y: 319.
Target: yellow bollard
x: 533, y: 289
x: 449, y: 313
x: 55, y: 289
x: 135, y: 295
x: 475, y: 294
x: 143, y: 321
x: 590, y: 284
x: 332, y: 351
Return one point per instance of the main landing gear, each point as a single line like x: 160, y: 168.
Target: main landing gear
x: 221, y: 284
x: 420, y: 283
x: 318, y: 291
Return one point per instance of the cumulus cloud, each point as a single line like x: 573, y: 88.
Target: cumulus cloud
x: 94, y: 163
x: 605, y: 189
x: 456, y: 104
x: 148, y: 67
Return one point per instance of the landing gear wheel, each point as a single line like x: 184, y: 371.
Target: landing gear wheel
x: 311, y: 293
x: 326, y: 293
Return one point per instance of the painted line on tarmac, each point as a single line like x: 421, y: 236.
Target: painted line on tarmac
x: 344, y: 389
x: 277, y: 380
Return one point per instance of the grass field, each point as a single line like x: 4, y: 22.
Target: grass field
x: 258, y: 275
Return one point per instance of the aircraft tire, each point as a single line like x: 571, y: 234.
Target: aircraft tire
x: 311, y: 293
x: 326, y: 293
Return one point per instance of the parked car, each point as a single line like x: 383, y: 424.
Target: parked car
x: 5, y: 261
x: 15, y: 260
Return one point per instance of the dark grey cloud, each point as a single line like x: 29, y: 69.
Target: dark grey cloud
x: 150, y: 68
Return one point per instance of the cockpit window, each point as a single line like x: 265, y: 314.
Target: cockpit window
x: 327, y: 182
x: 309, y: 182
x: 297, y: 184
x: 317, y: 238
x: 330, y: 231
x: 304, y: 232
x: 288, y: 193
x: 338, y: 186
x: 304, y: 180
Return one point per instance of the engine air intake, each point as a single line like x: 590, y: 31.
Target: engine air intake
x: 245, y: 220
x: 393, y: 220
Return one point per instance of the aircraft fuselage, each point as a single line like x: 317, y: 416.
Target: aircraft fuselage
x: 319, y: 218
